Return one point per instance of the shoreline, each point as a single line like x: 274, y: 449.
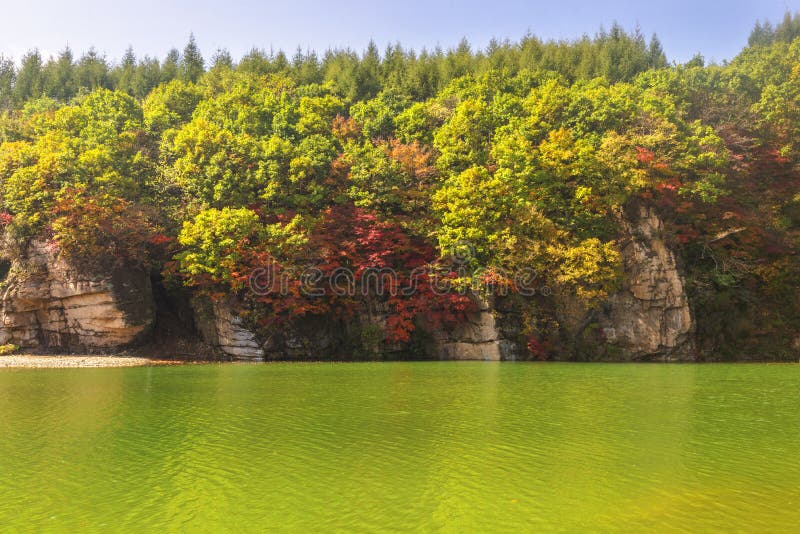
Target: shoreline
x: 89, y: 361
x: 67, y: 361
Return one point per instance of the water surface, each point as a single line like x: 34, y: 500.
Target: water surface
x: 385, y: 446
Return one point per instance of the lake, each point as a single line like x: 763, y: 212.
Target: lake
x: 453, y: 446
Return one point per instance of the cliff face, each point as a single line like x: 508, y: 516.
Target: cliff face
x: 478, y: 338
x: 222, y: 328
x: 481, y: 336
x: 48, y: 304
x: 649, y: 317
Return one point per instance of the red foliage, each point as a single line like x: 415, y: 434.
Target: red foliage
x: 388, y: 270
x: 389, y: 267
x: 104, y: 230
x: 539, y: 349
x: 644, y: 155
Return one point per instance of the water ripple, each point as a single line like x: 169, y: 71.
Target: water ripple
x: 418, y: 446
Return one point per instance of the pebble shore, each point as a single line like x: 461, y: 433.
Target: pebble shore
x: 59, y: 361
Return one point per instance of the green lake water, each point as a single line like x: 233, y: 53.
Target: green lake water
x: 441, y: 446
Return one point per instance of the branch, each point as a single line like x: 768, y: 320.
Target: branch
x: 722, y: 235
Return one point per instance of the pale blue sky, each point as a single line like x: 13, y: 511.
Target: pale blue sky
x: 718, y: 29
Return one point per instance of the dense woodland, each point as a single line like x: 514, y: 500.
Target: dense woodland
x: 529, y: 152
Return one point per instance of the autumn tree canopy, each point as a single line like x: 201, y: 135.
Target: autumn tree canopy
x: 529, y: 152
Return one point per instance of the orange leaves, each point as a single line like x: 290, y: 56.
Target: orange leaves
x: 644, y: 155
x: 345, y: 128
x: 161, y: 240
x: 415, y: 159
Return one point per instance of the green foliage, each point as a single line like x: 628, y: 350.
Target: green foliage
x: 170, y: 105
x: 8, y: 348
x: 548, y: 171
x: 213, y: 242
x: 96, y: 143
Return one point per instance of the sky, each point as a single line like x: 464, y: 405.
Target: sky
x: 717, y: 29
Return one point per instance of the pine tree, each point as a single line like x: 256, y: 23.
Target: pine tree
x: 368, y: 73
x: 458, y: 61
x: 222, y: 59
x: 697, y: 61
x: 170, y: 67
x: 306, y: 68
x: 192, y: 64
x: 146, y: 77
x: 29, y: 78
x: 126, y: 72
x: 59, y: 77
x: 655, y: 54
x: 8, y: 75
x: 255, y: 62
x: 92, y: 71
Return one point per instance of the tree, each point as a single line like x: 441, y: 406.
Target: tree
x: 125, y: 74
x: 60, y: 77
x: 92, y: 71
x: 367, y: 76
x: 222, y: 60
x: 656, y: 57
x: 8, y: 77
x: 170, y: 105
x: 29, y: 83
x: 192, y: 64
x: 170, y: 68
x: 93, y: 144
x: 214, y: 242
x: 147, y: 77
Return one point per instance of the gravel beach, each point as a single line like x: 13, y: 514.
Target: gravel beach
x: 64, y: 361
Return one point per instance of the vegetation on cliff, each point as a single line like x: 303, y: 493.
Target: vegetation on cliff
x: 527, y: 153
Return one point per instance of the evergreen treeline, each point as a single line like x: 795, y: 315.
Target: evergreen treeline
x: 615, y: 54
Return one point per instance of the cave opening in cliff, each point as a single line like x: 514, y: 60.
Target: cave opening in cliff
x: 174, y: 331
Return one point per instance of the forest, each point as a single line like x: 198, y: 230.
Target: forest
x: 528, y: 152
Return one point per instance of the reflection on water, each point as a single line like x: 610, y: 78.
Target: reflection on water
x: 459, y: 446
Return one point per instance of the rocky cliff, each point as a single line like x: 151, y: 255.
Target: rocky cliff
x: 480, y: 337
x: 649, y: 317
x: 223, y: 329
x: 221, y: 325
x: 47, y: 303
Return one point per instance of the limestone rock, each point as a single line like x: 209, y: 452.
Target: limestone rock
x: 477, y: 338
x: 222, y: 328
x: 649, y: 316
x: 48, y: 303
